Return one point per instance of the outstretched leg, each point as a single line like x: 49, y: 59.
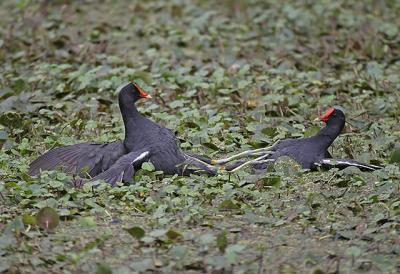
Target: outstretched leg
x: 255, y: 152
x: 201, y: 163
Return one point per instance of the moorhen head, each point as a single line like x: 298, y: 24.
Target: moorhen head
x: 132, y: 92
x: 335, y: 121
x: 332, y: 114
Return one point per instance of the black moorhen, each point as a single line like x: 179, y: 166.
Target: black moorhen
x: 311, y: 152
x: 117, y: 161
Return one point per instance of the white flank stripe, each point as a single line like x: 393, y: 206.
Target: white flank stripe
x: 141, y: 156
x: 122, y: 176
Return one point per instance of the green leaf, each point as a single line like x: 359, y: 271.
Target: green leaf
x: 274, y: 181
x: 157, y: 233
x: 148, y: 166
x: 47, y: 218
x: 103, y: 269
x: 395, y: 157
x: 228, y: 205
x: 92, y: 244
x: 22, y: 4
x: 173, y: 234
x: 88, y: 222
x: 29, y: 219
x: 16, y: 226
x: 231, y: 252
x: 3, y: 135
x: 353, y: 251
x: 269, y: 131
x: 211, y: 145
x: 178, y: 252
x: 222, y: 241
x: 136, y: 232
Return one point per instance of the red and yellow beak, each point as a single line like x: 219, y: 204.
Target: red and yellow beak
x: 145, y: 95
x: 142, y: 93
x: 324, y: 117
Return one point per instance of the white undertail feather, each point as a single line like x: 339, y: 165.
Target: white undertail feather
x: 346, y: 163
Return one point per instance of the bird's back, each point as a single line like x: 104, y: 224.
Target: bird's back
x: 305, y: 151
x: 162, y: 144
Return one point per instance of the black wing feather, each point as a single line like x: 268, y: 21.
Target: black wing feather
x: 91, y: 156
x: 124, y: 168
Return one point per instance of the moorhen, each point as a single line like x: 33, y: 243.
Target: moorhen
x: 117, y: 161
x: 310, y: 153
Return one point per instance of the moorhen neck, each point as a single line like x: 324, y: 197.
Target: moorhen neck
x: 129, y: 112
x: 311, y: 152
x: 117, y: 161
x: 335, y: 120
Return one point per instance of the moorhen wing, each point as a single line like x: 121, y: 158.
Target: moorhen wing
x: 310, y: 153
x: 117, y: 161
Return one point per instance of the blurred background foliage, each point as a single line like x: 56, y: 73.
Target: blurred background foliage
x: 225, y: 76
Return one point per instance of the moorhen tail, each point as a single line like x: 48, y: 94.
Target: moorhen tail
x: 117, y: 161
x: 311, y: 152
